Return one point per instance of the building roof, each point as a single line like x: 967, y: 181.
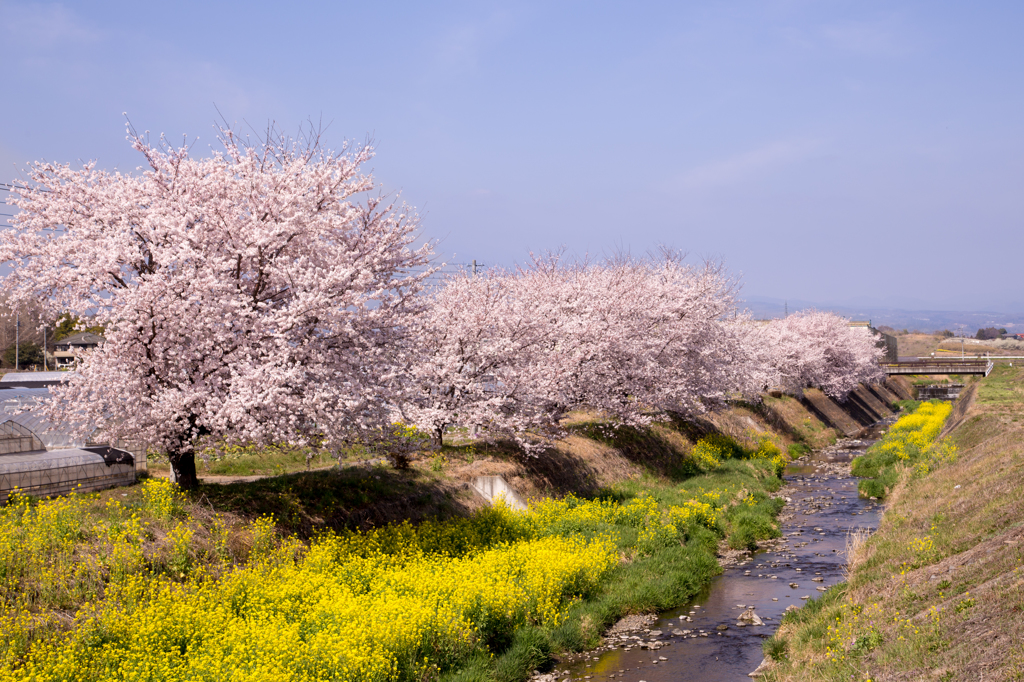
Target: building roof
x: 19, y: 377
x: 16, y: 405
x: 80, y: 339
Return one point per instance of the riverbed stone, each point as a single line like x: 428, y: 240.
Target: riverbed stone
x: 751, y: 617
x: 760, y: 670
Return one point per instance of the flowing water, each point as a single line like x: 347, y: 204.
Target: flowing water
x: 823, y: 509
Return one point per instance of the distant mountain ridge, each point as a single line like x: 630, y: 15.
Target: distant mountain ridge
x: 923, y: 320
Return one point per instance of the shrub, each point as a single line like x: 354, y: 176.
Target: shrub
x: 749, y: 526
x: 707, y: 455
x: 775, y: 647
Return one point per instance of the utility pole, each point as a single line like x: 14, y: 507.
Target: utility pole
x: 17, y: 339
x: 474, y: 268
x: 786, y: 314
x: 44, y: 348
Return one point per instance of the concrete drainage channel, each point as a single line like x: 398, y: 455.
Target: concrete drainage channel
x: 493, y: 488
x: 719, y: 635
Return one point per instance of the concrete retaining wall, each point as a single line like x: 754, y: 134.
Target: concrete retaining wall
x: 491, y: 488
x: 940, y: 392
x: 825, y: 409
x: 872, y: 408
x: 900, y: 387
x: 864, y: 406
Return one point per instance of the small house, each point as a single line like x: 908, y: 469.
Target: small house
x: 67, y: 349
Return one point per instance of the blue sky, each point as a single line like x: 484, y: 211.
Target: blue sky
x: 840, y: 152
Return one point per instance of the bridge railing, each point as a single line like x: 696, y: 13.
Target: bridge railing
x: 983, y: 367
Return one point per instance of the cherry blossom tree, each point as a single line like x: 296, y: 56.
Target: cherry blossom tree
x: 633, y: 336
x: 469, y: 352
x: 814, y: 348
x: 513, y: 351
x: 260, y: 294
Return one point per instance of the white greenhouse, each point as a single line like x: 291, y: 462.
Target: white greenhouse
x: 39, y: 458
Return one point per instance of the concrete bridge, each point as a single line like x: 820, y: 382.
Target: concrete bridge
x: 938, y: 366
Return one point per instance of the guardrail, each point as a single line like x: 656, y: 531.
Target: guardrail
x: 980, y: 367
x: 973, y: 357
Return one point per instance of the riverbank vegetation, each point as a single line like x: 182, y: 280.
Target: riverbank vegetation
x: 910, y: 443
x: 938, y: 591
x: 149, y: 583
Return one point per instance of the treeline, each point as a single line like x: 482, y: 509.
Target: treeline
x: 512, y: 351
x: 266, y: 294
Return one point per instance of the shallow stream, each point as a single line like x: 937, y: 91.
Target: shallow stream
x: 823, y: 509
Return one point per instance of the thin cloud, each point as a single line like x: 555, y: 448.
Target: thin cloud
x: 737, y: 168
x: 41, y: 27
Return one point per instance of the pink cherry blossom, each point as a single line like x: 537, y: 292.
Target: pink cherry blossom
x: 814, y: 348
x: 512, y: 352
x: 250, y: 295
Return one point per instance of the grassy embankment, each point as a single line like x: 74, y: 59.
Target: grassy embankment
x: 937, y: 593
x: 145, y: 584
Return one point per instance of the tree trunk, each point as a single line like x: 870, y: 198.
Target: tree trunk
x: 437, y: 437
x: 183, y: 466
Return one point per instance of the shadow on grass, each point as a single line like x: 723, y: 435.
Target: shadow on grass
x: 661, y: 450
x: 563, y: 470
x: 650, y: 448
x: 309, y: 503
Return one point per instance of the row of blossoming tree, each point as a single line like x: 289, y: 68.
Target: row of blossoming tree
x: 267, y: 295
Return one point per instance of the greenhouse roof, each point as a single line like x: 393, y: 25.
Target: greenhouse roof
x: 54, y: 459
x: 15, y: 377
x: 17, y: 406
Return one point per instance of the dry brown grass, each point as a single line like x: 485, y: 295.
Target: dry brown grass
x: 917, y: 344
x: 746, y: 427
x: 856, y: 549
x: 970, y: 347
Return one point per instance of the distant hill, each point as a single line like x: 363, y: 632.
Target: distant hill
x: 922, y: 320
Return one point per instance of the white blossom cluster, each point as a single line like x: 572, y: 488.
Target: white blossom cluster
x: 512, y: 351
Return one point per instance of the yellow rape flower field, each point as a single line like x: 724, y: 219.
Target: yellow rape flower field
x: 138, y: 587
